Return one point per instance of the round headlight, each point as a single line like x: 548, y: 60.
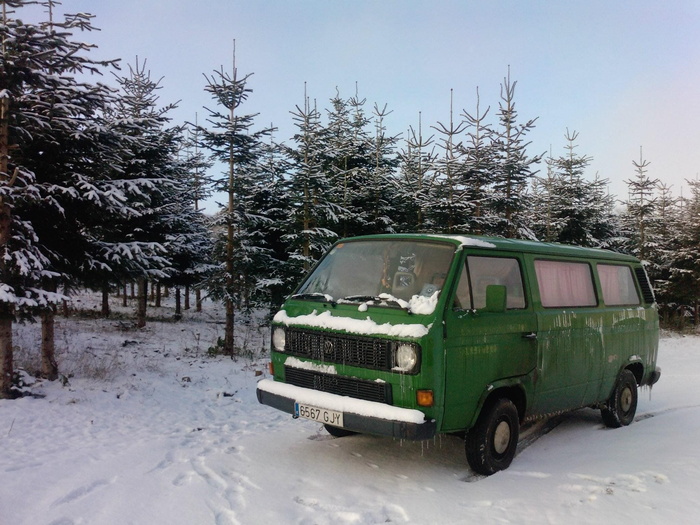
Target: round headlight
x: 279, y: 338
x: 406, y: 357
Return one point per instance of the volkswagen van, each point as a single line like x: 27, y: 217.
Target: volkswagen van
x: 413, y: 335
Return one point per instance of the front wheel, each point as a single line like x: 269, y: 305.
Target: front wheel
x: 619, y: 410
x: 490, y: 445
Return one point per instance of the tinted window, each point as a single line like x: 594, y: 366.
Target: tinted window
x: 564, y: 284
x: 618, y: 286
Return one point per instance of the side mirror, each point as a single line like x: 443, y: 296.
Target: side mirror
x: 496, y: 298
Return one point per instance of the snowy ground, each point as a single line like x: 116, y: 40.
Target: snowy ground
x: 151, y: 429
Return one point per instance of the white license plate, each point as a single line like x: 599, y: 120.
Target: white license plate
x: 322, y: 415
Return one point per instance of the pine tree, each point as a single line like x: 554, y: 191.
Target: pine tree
x: 50, y: 143
x: 543, y: 219
x: 379, y: 192
x: 232, y: 143
x: 684, y: 264
x: 478, y: 153
x: 667, y: 224
x: 415, y: 180
x: 314, y: 214
x: 450, y: 206
x: 641, y: 208
x: 569, y: 208
x: 200, y: 184
x: 136, y: 245
x: 513, y: 168
x: 349, y: 163
x: 187, y: 240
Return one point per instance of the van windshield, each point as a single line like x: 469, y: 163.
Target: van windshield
x: 381, y: 272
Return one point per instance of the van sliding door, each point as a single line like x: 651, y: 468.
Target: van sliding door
x: 569, y: 336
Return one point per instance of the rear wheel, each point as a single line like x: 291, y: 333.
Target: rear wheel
x: 338, y: 431
x: 490, y: 445
x: 620, y: 409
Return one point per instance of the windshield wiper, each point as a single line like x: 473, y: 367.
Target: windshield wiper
x: 363, y: 298
x: 386, y: 299
x: 320, y: 297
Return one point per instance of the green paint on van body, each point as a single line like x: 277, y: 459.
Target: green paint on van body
x: 382, y: 318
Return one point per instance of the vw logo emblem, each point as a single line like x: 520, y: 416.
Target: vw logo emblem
x: 328, y: 347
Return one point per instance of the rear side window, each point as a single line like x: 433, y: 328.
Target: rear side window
x: 618, y: 286
x: 565, y: 284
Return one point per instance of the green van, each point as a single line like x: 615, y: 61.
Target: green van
x: 413, y: 335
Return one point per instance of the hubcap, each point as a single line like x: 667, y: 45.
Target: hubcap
x: 501, y: 438
x: 626, y: 400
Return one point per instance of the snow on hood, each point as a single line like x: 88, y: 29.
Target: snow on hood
x: 354, y: 326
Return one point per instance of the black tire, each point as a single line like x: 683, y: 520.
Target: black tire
x: 491, y: 444
x: 338, y: 431
x: 620, y: 409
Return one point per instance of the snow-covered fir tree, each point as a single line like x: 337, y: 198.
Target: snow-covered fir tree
x: 413, y: 185
x: 450, y: 205
x: 380, y: 198
x: 234, y: 144
x: 640, y: 214
x: 478, y: 166
x: 153, y: 181
x: 513, y: 168
x: 683, y: 265
x: 350, y: 160
x: 313, y: 214
x: 51, y: 142
x: 568, y: 207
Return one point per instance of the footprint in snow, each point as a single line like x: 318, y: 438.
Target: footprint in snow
x: 82, y: 492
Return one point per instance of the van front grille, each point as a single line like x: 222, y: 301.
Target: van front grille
x: 343, y: 386
x: 364, y: 352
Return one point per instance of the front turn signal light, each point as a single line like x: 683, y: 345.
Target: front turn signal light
x: 424, y: 398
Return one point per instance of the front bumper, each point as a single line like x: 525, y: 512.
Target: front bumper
x: 365, y: 417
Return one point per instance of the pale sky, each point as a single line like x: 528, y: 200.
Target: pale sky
x: 624, y: 74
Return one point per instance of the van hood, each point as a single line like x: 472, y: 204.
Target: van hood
x: 355, y: 324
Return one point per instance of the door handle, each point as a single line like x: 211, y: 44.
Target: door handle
x: 530, y: 335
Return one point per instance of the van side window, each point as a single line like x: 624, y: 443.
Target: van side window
x: 463, y: 297
x: 496, y: 270
x: 564, y: 283
x: 618, y: 285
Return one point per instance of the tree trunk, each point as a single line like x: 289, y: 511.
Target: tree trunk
x: 228, y: 332
x: 6, y: 309
x: 187, y: 297
x: 105, y: 300
x: 198, y: 299
x: 125, y: 298
x: 49, y: 368
x: 178, y: 304
x: 141, y: 301
x: 6, y: 370
x: 158, y: 295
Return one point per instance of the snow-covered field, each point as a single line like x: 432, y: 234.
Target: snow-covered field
x: 151, y: 429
